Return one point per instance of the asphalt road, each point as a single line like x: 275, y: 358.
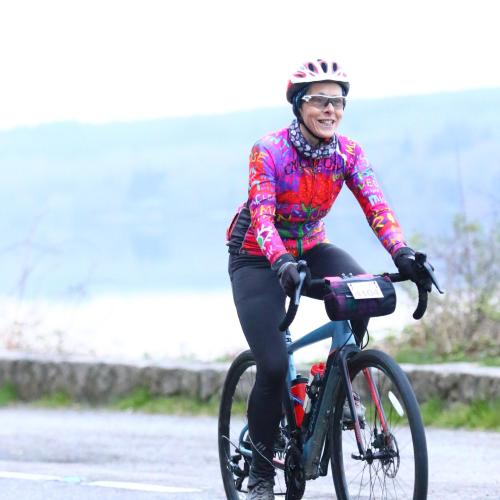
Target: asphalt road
x: 90, y: 455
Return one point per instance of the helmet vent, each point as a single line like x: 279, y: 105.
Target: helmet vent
x: 318, y: 70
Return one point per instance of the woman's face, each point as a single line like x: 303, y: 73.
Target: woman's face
x: 322, y: 121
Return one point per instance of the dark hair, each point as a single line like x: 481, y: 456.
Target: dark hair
x: 297, y: 100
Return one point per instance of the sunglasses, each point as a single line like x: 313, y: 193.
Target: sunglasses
x: 322, y: 101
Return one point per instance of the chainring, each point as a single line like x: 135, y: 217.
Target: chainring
x: 295, y: 477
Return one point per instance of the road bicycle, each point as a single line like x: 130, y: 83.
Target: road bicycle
x: 356, y: 411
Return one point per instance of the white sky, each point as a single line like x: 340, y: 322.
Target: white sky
x: 109, y: 60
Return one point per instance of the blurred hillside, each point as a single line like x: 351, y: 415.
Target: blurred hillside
x: 144, y: 205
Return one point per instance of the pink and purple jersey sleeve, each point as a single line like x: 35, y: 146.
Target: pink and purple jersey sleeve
x: 262, y: 202
x: 361, y: 180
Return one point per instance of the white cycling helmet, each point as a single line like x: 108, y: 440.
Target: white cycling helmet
x: 317, y: 70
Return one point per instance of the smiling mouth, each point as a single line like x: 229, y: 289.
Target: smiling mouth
x: 328, y: 123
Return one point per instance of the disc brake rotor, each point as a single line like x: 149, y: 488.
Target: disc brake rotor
x: 391, y: 465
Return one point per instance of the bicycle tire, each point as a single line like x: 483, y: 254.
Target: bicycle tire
x: 400, y: 468
x: 233, y: 430
x: 227, y: 438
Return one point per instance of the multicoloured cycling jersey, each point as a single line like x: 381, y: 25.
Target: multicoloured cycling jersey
x: 289, y: 195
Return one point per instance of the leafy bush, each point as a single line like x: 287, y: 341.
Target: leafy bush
x: 463, y: 324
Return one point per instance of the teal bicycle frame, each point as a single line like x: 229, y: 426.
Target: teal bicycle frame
x: 343, y: 345
x: 306, y: 449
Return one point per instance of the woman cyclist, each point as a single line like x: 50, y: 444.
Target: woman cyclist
x: 295, y: 176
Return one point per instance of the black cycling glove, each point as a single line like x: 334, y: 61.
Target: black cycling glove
x: 409, y: 268
x: 404, y: 258
x: 286, y: 269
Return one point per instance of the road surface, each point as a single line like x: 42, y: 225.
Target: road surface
x: 90, y: 455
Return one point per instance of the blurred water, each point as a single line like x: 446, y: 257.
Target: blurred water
x: 159, y: 326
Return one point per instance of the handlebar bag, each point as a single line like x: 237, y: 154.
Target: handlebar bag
x: 360, y: 296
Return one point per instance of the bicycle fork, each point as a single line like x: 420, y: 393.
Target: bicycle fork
x: 375, y: 397
x: 346, y: 379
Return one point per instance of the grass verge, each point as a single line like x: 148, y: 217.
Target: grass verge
x: 479, y: 414
x: 8, y: 394
x: 484, y: 415
x: 142, y: 400
x: 425, y: 357
x: 55, y: 400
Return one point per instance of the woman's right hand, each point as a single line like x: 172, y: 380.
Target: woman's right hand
x: 288, y: 275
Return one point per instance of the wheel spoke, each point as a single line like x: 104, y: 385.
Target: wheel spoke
x: 233, y: 428
x: 391, y: 434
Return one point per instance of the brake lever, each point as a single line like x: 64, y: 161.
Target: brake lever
x: 430, y: 270
x: 421, y: 258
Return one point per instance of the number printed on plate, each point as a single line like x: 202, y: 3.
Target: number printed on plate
x: 365, y: 290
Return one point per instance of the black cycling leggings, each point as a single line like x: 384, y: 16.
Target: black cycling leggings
x: 260, y: 303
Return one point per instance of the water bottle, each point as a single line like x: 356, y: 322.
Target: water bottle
x: 298, y: 389
x: 315, y: 377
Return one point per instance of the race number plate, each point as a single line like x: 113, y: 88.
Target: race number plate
x: 365, y: 290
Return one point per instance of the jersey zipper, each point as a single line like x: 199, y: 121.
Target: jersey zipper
x: 314, y: 165
x: 300, y: 247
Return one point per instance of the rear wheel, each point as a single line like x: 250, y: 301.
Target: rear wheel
x: 234, y: 442
x: 233, y: 428
x: 392, y: 433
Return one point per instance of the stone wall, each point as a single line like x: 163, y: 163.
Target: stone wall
x: 454, y: 382
x: 98, y: 382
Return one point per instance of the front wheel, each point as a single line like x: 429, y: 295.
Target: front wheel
x: 394, y: 465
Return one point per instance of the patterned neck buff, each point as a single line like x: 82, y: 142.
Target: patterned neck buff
x: 324, y: 150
